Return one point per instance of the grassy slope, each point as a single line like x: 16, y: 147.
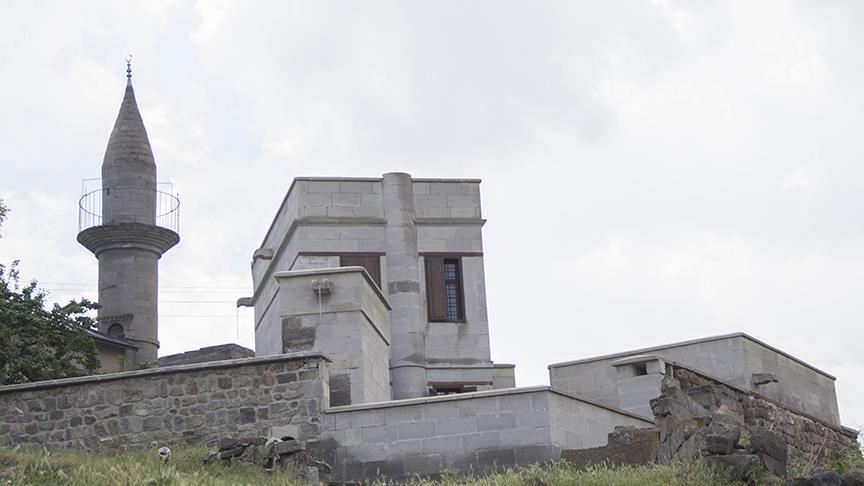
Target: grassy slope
x: 20, y: 467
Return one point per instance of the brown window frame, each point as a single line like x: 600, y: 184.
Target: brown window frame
x: 363, y: 260
x: 436, y: 288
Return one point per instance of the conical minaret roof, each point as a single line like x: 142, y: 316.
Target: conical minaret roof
x: 128, y: 152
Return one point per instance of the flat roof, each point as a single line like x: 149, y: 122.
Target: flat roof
x: 690, y: 343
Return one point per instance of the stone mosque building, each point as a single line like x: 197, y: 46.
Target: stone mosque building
x: 372, y: 341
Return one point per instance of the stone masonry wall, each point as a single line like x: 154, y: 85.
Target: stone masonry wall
x: 806, y: 437
x: 480, y: 431
x: 192, y: 404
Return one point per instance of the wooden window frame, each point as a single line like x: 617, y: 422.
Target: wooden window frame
x: 436, y: 306
x: 375, y: 274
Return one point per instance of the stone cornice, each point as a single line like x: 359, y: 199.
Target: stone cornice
x: 141, y: 236
x: 449, y: 221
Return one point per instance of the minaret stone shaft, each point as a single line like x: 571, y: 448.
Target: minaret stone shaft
x: 128, y: 237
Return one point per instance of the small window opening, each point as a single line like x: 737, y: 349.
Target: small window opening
x: 116, y: 330
x: 640, y: 369
x: 438, y: 390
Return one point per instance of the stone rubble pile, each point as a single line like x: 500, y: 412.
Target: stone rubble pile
x: 286, y: 454
x: 708, y: 422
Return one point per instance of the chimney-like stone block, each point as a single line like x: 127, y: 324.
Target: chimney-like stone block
x: 339, y: 312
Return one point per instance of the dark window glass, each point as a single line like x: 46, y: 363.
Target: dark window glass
x: 438, y: 390
x: 451, y: 292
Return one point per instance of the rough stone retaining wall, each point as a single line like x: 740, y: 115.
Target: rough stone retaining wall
x: 807, y: 437
x: 193, y: 404
x: 478, y: 431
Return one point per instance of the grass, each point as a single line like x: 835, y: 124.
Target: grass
x: 690, y: 473
x: 28, y: 467
x: 139, y: 468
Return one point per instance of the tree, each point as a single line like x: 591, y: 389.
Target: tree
x: 37, y: 343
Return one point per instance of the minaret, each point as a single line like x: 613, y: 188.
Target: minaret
x: 128, y: 225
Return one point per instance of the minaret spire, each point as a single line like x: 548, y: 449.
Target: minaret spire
x: 131, y: 225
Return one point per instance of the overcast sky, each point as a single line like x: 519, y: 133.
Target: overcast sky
x: 652, y: 171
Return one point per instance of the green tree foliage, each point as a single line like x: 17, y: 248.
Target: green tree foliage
x: 37, y: 343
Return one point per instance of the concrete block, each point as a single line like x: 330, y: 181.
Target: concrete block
x: 449, y: 426
x: 532, y: 419
x: 480, y: 440
x: 520, y: 437
x: 498, y: 421
x: 379, y: 434
x: 416, y: 430
x: 322, y: 186
x: 337, y: 421
x: 470, y: 408
x: 401, y: 415
x: 439, y: 445
x: 423, y: 201
x: 446, y: 188
x: 340, y: 212
x: 402, y: 448
x: 363, y: 187
x: 352, y: 200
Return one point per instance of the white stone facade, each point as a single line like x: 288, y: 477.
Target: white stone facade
x: 323, y: 220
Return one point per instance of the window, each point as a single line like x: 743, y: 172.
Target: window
x: 444, y: 289
x: 372, y: 264
x: 116, y: 330
x: 450, y: 389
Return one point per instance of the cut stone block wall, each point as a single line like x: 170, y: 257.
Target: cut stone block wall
x: 464, y: 343
x: 478, y: 431
x: 734, y: 358
x: 350, y: 323
x: 192, y: 404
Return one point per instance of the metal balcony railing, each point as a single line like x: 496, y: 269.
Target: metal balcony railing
x: 128, y: 205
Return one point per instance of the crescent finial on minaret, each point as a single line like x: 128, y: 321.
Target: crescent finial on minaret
x: 129, y: 69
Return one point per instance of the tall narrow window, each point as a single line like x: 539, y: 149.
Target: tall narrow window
x: 444, y: 289
x: 451, y: 292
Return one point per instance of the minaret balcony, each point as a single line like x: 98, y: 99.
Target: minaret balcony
x: 128, y: 217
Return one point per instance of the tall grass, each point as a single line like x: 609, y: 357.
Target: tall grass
x: 690, y: 473
x: 24, y: 467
